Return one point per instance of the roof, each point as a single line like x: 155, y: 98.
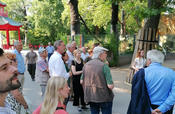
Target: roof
x: 2, y: 4
x: 6, y: 20
x: 7, y: 23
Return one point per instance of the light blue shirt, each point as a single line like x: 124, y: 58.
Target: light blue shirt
x: 160, y: 83
x: 20, y: 60
x: 50, y: 49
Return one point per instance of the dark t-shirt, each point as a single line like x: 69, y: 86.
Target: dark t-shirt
x: 78, y: 67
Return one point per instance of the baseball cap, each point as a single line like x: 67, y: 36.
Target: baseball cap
x: 41, y: 49
x: 99, y: 49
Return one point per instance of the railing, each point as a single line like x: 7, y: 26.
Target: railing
x: 3, y: 13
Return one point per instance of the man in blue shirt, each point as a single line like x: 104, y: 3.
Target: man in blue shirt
x: 20, y: 60
x: 160, y: 82
x: 50, y: 50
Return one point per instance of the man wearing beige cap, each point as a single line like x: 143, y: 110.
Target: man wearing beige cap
x: 97, y: 83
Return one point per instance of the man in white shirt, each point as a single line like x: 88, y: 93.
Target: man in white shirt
x: 84, y: 54
x: 70, y: 49
x: 56, y: 64
x: 70, y: 54
x: 8, y: 81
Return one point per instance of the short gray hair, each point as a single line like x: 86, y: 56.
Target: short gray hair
x: 57, y: 43
x: 73, y: 42
x: 155, y: 56
x: 68, y: 45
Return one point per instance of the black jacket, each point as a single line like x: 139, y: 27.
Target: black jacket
x: 140, y: 102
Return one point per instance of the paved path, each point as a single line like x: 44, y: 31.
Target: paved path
x: 33, y: 97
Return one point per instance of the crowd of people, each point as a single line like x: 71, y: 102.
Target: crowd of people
x: 71, y: 73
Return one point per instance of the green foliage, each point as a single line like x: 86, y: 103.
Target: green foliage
x: 112, y: 44
x: 126, y: 46
x: 134, y: 14
x: 45, y: 21
x: 94, y: 12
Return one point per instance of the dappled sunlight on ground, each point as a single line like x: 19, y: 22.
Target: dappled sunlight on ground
x: 121, y: 90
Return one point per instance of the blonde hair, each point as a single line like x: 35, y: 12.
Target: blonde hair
x: 75, y: 52
x: 52, y: 95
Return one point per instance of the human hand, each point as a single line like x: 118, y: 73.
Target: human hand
x: 26, y: 106
x: 70, y: 73
x: 136, y: 69
x: 156, y: 111
x: 81, y: 81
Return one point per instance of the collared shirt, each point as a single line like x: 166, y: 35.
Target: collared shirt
x: 107, y: 74
x: 42, y: 64
x: 6, y: 110
x: 160, y: 83
x: 56, y: 66
x: 50, y: 49
x: 31, y: 57
x: 20, y: 60
x: 41, y: 75
x: 84, y: 56
x: 71, y: 58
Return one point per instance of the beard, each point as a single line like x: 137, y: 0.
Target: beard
x: 9, y: 85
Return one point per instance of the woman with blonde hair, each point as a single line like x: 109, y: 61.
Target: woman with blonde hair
x: 56, y: 91
x: 76, y: 68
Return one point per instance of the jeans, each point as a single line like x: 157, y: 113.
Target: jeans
x: 21, y: 79
x: 49, y: 55
x: 31, y: 69
x: 105, y: 107
x: 43, y: 88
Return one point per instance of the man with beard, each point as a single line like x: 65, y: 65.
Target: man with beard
x: 8, y: 81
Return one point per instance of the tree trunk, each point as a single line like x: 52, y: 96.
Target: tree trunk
x: 25, y: 23
x: 114, y: 29
x: 123, y: 27
x: 74, y: 15
x: 114, y: 20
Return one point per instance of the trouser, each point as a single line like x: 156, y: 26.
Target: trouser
x: 105, y: 107
x: 168, y: 112
x: 31, y: 69
x: 49, y: 55
x: 78, y: 92
x: 70, y: 84
x: 21, y: 79
x: 43, y: 88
